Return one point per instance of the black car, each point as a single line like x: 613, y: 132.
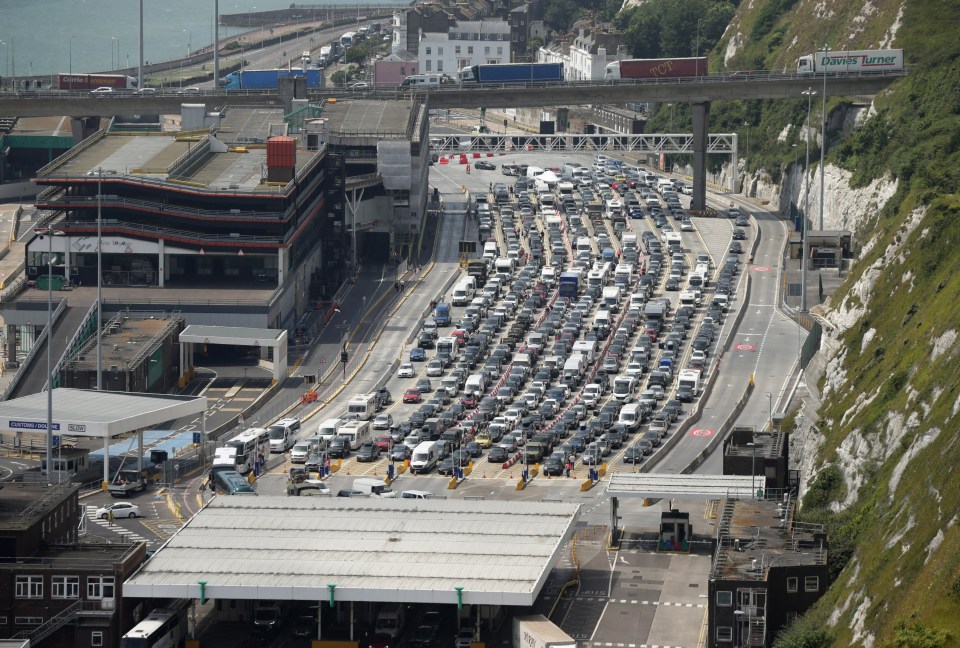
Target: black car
x: 486, y: 166
x: 736, y: 248
x: 339, y: 447
x: 633, y: 455
x: 446, y: 465
x: 497, y: 454
x: 369, y: 451
x: 739, y: 235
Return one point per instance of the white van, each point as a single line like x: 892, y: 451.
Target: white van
x: 602, y: 318
x: 425, y: 457
x: 630, y: 416
x: 374, y: 488
x: 392, y: 616
x: 476, y: 384
x: 424, y: 80
x: 283, y: 434
x: 329, y: 429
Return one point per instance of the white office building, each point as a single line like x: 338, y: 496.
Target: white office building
x: 466, y: 43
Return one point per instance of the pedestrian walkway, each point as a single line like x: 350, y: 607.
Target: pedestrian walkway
x: 91, y: 511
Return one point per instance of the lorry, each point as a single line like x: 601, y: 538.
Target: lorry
x: 93, y: 81
x: 569, y: 284
x: 851, y: 61
x: 665, y: 68
x: 536, y: 631
x: 512, y: 73
x: 269, y: 79
x: 441, y: 314
x: 127, y: 481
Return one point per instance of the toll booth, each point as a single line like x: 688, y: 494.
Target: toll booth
x: 675, y: 531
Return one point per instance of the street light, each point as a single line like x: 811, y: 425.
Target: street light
x: 71, y: 55
x: 823, y: 134
x: 49, y: 232
x: 189, y: 41
x: 770, y: 410
x: 753, y: 469
x: 809, y: 92
x: 696, y: 63
x: 113, y: 39
x: 99, y: 278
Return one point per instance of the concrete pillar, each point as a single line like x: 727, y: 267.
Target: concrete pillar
x: 734, y: 162
x: 161, y: 264
x: 701, y: 115
x: 11, y: 342
x: 106, y: 462
x: 83, y: 127
x: 281, y: 266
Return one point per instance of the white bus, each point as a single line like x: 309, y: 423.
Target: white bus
x: 163, y: 627
x: 252, y: 445
x: 347, y: 39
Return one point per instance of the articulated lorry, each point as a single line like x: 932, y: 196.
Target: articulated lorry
x: 93, y: 81
x: 666, y: 68
x: 537, y: 631
x: 851, y: 61
x: 269, y: 79
x: 512, y: 73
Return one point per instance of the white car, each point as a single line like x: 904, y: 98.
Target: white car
x: 383, y: 422
x: 192, y: 90
x: 434, y: 369
x: 102, y: 90
x: 686, y: 225
x: 405, y: 371
x: 120, y: 510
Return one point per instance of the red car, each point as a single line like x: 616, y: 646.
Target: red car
x: 412, y: 396
x: 469, y: 401
x: 385, y: 442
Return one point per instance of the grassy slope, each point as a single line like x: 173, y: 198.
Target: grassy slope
x: 915, y: 596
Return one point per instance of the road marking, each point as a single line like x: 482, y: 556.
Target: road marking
x: 699, y: 432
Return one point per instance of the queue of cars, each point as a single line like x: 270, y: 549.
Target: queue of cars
x: 579, y: 342
x: 568, y: 348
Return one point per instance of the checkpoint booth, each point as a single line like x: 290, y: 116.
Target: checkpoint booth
x: 75, y: 414
x: 271, y: 343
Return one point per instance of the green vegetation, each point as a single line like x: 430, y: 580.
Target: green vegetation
x: 663, y: 28
x: 894, y: 557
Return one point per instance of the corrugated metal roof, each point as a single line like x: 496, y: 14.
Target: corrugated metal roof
x: 83, y: 412
x: 669, y: 485
x: 371, y: 549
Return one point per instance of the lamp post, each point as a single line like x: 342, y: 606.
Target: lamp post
x: 696, y: 63
x: 113, y: 39
x: 70, y: 56
x: 770, y: 410
x: 99, y: 279
x: 49, y: 233
x: 189, y: 41
x: 753, y: 469
x: 809, y: 92
x: 823, y: 134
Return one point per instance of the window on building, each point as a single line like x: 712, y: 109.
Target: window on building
x: 470, y: 49
x: 439, y: 51
x: 429, y: 65
x: 486, y: 51
x: 724, y: 598
x: 724, y: 634
x: 456, y: 50
x: 29, y: 587
x: 499, y: 51
x: 100, y: 587
x: 96, y: 638
x: 440, y: 65
x: 66, y: 587
x: 811, y: 584
x: 25, y: 620
x: 793, y: 584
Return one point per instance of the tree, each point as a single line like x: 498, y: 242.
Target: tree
x: 561, y: 15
